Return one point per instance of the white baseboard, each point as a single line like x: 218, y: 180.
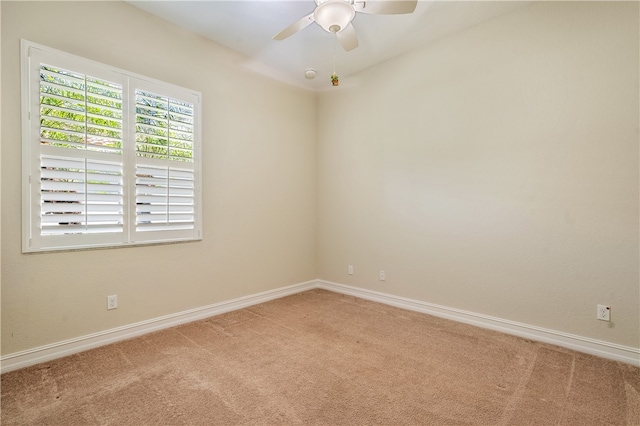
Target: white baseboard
x: 52, y: 351
x: 599, y: 348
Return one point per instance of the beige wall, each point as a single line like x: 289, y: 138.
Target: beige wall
x: 494, y: 171
x: 259, y: 183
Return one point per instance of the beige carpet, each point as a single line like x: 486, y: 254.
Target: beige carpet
x: 324, y: 358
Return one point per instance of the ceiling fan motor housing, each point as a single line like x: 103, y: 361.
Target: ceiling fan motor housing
x: 334, y: 15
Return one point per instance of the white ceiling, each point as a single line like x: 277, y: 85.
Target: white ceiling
x: 247, y: 26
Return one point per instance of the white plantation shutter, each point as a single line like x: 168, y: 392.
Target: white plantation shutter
x: 80, y: 196
x: 110, y: 158
x: 83, y: 194
x: 79, y: 111
x: 164, y: 127
x: 165, y: 192
x: 165, y: 185
x: 164, y: 198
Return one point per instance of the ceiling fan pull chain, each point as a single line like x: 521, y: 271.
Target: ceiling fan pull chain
x: 335, y: 46
x: 334, y: 77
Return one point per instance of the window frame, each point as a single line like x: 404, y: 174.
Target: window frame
x: 32, y: 56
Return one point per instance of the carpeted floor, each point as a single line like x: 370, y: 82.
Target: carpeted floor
x: 324, y: 358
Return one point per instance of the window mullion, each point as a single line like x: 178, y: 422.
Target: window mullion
x: 86, y: 163
x: 129, y: 157
x: 168, y: 192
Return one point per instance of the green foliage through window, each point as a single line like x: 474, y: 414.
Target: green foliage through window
x: 78, y: 111
x: 164, y: 127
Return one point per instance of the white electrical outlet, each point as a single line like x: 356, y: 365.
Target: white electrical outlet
x: 350, y: 270
x: 382, y: 275
x: 112, y: 301
x: 604, y: 313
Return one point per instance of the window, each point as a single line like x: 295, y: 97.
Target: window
x: 110, y: 158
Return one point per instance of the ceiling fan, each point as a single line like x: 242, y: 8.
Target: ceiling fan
x: 335, y: 16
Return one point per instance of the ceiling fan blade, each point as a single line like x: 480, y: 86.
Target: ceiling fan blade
x: 387, y: 7
x: 295, y: 27
x: 348, y: 38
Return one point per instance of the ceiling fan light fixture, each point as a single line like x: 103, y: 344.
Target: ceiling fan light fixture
x: 334, y: 15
